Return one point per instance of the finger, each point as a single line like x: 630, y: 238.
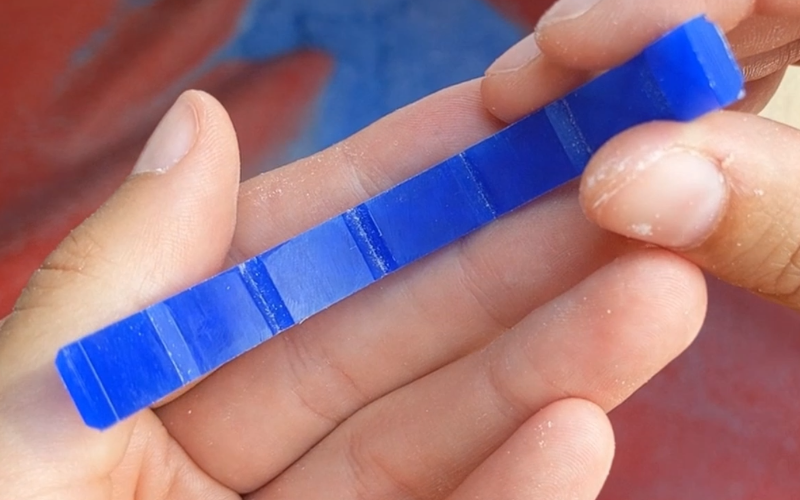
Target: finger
x: 723, y: 191
x: 597, y: 34
x: 506, y: 87
x: 759, y: 93
x: 580, y: 38
x: 564, y: 451
x: 772, y: 61
x: 599, y: 341
x: 766, y: 45
x: 759, y: 34
x: 169, y: 225
x: 417, y: 320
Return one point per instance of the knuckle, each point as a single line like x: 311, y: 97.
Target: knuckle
x: 505, y: 400
x: 370, y: 476
x: 72, y: 260
x: 770, y: 264
x: 75, y: 254
x: 322, y: 388
x: 786, y: 282
x: 789, y: 54
x: 484, y: 284
x: 370, y: 178
x: 768, y: 261
x: 370, y: 174
x: 512, y: 392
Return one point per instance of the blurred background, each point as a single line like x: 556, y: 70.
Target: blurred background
x: 785, y: 107
x: 85, y: 81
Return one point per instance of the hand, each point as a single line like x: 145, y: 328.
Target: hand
x: 722, y: 191
x: 483, y: 371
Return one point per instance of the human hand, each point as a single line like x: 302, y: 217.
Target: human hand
x: 722, y: 191
x: 484, y: 370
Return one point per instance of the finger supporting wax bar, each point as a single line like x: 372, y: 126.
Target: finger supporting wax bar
x: 137, y: 361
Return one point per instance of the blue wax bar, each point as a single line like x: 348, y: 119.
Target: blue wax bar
x: 137, y: 361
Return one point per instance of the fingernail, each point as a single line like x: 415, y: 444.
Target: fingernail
x: 520, y: 54
x: 564, y: 10
x: 675, y: 200
x: 171, y: 141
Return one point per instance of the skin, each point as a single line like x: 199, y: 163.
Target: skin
x: 741, y: 370
x: 485, y: 371
x: 752, y: 240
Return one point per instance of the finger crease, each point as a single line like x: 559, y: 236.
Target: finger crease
x: 370, y: 477
x: 312, y: 371
x: 475, y: 285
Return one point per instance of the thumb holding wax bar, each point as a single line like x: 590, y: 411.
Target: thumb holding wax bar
x: 721, y: 191
x: 170, y: 224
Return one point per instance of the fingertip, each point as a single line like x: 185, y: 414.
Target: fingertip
x: 664, y: 277
x: 196, y: 130
x: 210, y: 108
x: 587, y: 423
x: 613, y: 31
x: 653, y: 302
x: 520, y: 54
x: 578, y: 435
x: 511, y: 95
x: 563, y: 451
x: 218, y: 136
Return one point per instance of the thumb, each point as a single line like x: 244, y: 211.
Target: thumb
x: 723, y: 191
x: 169, y: 225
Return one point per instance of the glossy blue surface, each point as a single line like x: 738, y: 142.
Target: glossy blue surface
x: 318, y: 268
x: 133, y: 363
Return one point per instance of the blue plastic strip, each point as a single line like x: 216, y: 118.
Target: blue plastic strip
x: 261, y: 287
x: 370, y: 241
x: 137, y: 361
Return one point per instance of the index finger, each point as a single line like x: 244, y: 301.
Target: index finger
x: 578, y: 38
x: 597, y: 34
